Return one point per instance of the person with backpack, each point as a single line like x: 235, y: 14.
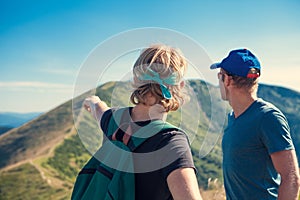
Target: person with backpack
x: 145, y: 157
x: 259, y: 158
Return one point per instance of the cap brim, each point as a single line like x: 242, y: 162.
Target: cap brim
x: 215, y: 66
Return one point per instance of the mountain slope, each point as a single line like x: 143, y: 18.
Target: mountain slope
x: 49, y: 151
x: 37, y: 137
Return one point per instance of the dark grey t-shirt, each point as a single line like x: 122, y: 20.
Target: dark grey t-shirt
x: 173, y: 152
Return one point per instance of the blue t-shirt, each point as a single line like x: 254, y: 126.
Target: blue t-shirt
x: 247, y: 144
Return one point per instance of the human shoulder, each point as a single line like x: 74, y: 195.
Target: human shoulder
x: 173, y: 134
x: 107, y: 115
x: 270, y: 112
x: 267, y: 107
x: 171, y: 138
x: 275, y: 129
x: 271, y: 115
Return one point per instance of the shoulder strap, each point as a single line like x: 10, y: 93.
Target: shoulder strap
x: 118, y: 117
x: 121, y: 115
x: 151, y: 129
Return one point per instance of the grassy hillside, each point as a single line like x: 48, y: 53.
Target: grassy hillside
x: 48, y: 152
x: 37, y: 137
x: 25, y: 182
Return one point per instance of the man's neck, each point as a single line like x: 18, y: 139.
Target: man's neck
x: 240, y: 102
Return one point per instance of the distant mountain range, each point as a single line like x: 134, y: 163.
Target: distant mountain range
x: 14, y: 119
x: 9, y: 120
x: 41, y: 159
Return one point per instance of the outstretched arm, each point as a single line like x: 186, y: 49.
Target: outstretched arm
x: 183, y: 184
x: 95, y: 106
x: 285, y: 162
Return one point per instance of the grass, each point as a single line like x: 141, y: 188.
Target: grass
x: 68, y: 158
x: 26, y: 183
x: 37, y: 137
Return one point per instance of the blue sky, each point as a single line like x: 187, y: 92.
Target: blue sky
x: 44, y: 43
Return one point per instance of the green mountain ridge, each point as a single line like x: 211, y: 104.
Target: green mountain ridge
x: 48, y: 150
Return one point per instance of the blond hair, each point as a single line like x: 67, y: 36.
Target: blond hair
x: 165, y: 61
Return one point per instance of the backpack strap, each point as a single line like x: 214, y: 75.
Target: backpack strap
x: 151, y: 129
x: 116, y: 121
x: 120, y: 129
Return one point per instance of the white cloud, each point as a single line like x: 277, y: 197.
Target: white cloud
x: 27, y: 96
x: 67, y: 72
x: 25, y: 85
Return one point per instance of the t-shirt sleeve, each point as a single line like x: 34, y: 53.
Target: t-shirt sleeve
x: 276, y: 132
x: 105, y: 120
x: 177, y: 153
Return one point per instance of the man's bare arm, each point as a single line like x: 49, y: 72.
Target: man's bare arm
x: 285, y: 162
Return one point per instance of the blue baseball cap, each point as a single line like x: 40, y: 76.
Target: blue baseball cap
x: 240, y: 62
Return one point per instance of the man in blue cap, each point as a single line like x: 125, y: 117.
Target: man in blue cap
x: 259, y: 159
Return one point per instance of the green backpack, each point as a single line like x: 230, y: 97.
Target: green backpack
x: 97, y: 180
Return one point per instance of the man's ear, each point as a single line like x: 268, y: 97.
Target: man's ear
x: 227, y: 80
